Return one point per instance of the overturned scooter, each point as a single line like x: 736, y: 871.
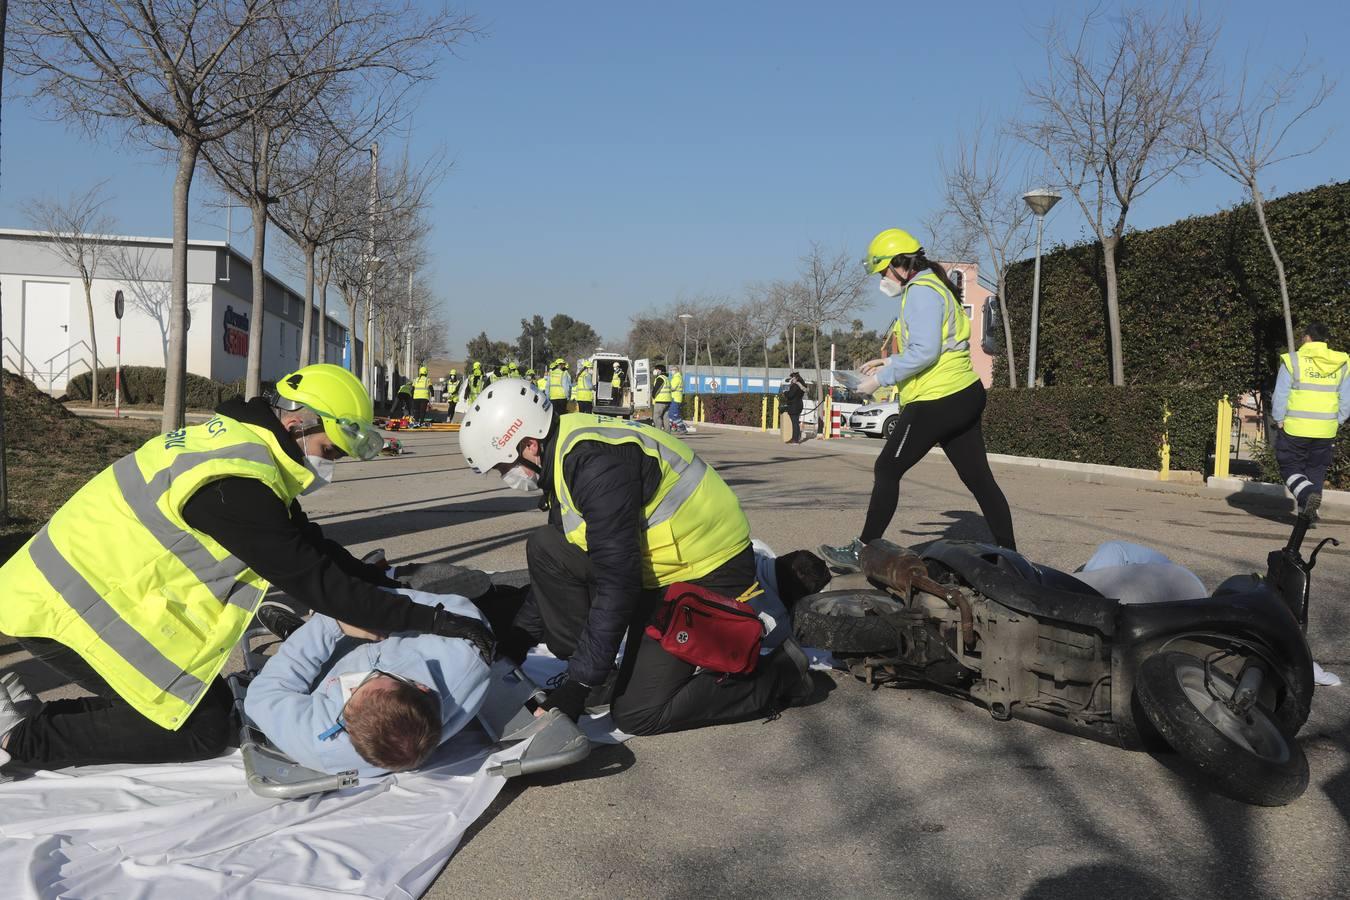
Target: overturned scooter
x: 1225, y: 681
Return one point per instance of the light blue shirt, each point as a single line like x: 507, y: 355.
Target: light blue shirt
x: 293, y: 711
x: 924, y: 309
x: 770, y: 601
x: 1279, y: 401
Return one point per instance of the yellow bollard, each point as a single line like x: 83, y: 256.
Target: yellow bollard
x: 1223, y: 438
x: 1165, y: 452
x: 829, y: 426
x: 777, y: 419
x: 764, y: 413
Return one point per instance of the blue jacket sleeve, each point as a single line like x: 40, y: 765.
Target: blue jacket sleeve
x: 1279, y: 401
x: 1344, y: 397
x: 924, y: 308
x: 607, y: 489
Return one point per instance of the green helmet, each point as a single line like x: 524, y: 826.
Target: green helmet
x: 340, y: 401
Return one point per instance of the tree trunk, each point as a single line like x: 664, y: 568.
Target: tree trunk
x: 1259, y: 202
x: 353, y: 300
x: 740, y: 379
x: 766, y: 363
x: 176, y: 367
x: 1007, y: 327
x: 324, y: 270
x: 1109, y: 246
x: 93, y: 341
x: 253, y: 373
x: 307, y: 317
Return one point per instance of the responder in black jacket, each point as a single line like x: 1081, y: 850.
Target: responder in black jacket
x: 632, y: 510
x: 159, y: 697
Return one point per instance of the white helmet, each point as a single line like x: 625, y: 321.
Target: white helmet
x: 508, y: 411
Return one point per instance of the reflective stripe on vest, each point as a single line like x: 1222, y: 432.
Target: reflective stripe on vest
x: 952, y: 371
x: 714, y: 527
x: 422, y: 388
x: 662, y: 390
x: 1315, y: 382
x: 118, y: 576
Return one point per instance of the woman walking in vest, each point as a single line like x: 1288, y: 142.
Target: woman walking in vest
x: 941, y: 397
x: 1311, y: 402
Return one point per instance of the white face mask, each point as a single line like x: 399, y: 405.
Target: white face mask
x: 322, y: 467
x: 890, y: 288
x: 519, y: 478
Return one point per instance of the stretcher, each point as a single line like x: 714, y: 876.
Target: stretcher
x: 507, y: 716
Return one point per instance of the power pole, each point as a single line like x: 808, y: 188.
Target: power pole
x: 367, y: 370
x: 4, y: 482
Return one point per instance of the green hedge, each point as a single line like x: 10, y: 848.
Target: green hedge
x: 145, y: 385
x: 1338, y: 476
x: 726, y: 409
x: 1199, y: 302
x: 1104, y: 425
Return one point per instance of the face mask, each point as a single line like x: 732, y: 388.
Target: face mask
x: 320, y: 466
x: 519, y: 478
x: 890, y: 288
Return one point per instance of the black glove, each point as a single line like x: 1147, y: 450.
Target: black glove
x: 570, y: 697
x: 453, y: 625
x: 515, y: 644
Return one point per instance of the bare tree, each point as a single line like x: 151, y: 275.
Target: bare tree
x: 982, y: 179
x: 171, y: 74
x: 768, y: 313
x: 828, y: 290
x: 148, y: 287
x: 78, y: 230
x: 1244, y: 132
x: 739, y: 333
x: 1112, y: 122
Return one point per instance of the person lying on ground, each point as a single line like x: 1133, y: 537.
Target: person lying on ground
x: 337, y: 698
x: 785, y: 579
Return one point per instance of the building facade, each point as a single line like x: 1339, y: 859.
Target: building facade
x: 46, y: 326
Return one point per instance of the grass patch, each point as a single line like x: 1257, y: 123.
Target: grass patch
x: 50, y: 453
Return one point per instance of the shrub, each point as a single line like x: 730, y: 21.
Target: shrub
x: 145, y: 385
x: 1338, y: 476
x: 1103, y: 425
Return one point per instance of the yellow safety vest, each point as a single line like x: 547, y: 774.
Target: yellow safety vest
x: 405, y: 387
x: 1314, y: 390
x: 475, y: 386
x: 662, y: 390
x: 422, y: 388
x: 584, y: 389
x: 556, y: 389
x: 118, y: 576
x: 452, y: 388
x: 677, y: 387
x: 952, y: 371
x: 693, y: 523
x: 616, y: 381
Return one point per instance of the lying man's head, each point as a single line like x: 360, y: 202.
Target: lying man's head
x: 394, y: 725
x: 800, y: 574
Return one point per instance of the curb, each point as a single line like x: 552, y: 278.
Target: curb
x: 1233, y: 487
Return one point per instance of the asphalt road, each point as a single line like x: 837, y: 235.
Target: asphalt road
x: 901, y: 793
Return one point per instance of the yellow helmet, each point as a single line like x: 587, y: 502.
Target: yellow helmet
x: 421, y: 370
x: 340, y: 401
x: 887, y: 245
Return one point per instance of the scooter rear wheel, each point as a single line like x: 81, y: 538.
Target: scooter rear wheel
x: 852, y: 621
x: 1249, y: 758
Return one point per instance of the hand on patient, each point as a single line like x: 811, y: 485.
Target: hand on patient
x: 360, y: 633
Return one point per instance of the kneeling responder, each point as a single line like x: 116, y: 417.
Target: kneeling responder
x: 632, y: 510
x: 143, y: 582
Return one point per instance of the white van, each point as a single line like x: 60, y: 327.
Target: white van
x: 636, y: 392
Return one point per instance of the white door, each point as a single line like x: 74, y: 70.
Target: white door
x: 46, y: 335
x: 642, y: 386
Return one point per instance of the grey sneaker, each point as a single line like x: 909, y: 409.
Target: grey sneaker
x: 16, y: 705
x: 1311, y: 508
x: 845, y: 558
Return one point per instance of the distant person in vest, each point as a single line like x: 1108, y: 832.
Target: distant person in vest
x: 583, y: 391
x: 559, y: 385
x: 941, y: 397
x: 1311, y: 402
x: 631, y: 511
x: 616, y: 385
x: 660, y: 397
x: 673, y: 418
x: 452, y: 386
x: 421, y: 395
x: 403, y: 403
x: 474, y: 383
x: 143, y: 582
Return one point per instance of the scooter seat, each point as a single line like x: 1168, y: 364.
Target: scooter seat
x: 1007, y: 577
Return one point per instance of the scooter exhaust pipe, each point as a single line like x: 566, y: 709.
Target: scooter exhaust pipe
x: 904, y: 572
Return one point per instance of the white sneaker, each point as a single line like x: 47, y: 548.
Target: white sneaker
x: 16, y: 705
x: 1323, y: 677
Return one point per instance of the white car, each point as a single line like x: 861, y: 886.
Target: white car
x: 876, y: 420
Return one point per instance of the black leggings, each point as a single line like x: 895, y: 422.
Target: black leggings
x: 954, y: 423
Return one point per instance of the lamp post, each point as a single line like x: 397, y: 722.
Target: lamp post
x: 1041, y: 201
x: 684, y: 349
x: 373, y: 264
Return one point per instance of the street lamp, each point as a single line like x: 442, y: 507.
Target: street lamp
x: 1041, y: 201
x: 684, y: 350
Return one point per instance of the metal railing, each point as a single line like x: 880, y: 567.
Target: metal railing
x: 47, y: 369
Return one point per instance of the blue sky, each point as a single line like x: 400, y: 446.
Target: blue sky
x: 611, y: 157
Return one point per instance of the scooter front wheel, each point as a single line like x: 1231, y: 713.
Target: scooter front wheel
x: 849, y: 621
x: 1246, y: 756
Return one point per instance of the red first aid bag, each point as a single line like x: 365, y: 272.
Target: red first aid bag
x: 706, y: 629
